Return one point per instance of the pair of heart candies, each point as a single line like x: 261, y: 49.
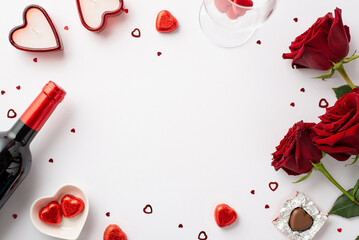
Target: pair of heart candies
x: 70, y: 207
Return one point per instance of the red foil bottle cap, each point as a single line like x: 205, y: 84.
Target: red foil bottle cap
x: 43, y: 106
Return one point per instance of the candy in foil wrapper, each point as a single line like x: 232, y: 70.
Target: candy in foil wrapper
x: 300, y: 201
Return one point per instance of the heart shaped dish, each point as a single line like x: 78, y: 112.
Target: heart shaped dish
x: 69, y: 228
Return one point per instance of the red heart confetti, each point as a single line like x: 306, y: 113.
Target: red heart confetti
x: 339, y: 230
x: 180, y: 226
x: 259, y: 42
x: 148, y: 209
x: 14, y: 216
x: 136, y: 33
x: 302, y: 90
x: 202, y: 235
x: 108, y: 214
x: 125, y: 10
x: 323, y: 103
x: 266, y: 206
x: 114, y: 232
x: 327, y: 215
x: 253, y: 192
x: 11, y: 113
x: 292, y: 104
x: 166, y: 22
x: 71, y: 206
x: 18, y: 87
x: 159, y: 53
x: 73, y: 130
x: 2, y: 92
x: 225, y: 215
x: 51, y: 160
x: 295, y: 19
x: 35, y: 60
x: 51, y: 213
x: 66, y: 28
x: 273, y: 186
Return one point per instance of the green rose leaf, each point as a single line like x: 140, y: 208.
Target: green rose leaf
x: 340, y: 91
x: 356, y: 187
x: 357, y: 238
x: 329, y: 74
x: 344, y: 207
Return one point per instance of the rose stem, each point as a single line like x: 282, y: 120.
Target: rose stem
x: 344, y: 74
x: 320, y: 167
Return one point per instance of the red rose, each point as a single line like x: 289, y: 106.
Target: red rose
x: 296, y: 151
x: 338, y: 131
x: 324, y: 43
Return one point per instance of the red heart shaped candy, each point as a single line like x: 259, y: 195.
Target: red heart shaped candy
x: 71, y: 206
x: 114, y: 232
x: 225, y: 215
x: 166, y: 22
x: 51, y: 213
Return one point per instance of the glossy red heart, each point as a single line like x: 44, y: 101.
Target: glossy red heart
x: 114, y: 232
x: 71, y: 206
x: 51, y: 213
x: 37, y: 33
x: 225, y: 215
x: 166, y: 22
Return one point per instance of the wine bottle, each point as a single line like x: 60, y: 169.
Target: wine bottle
x: 15, y: 155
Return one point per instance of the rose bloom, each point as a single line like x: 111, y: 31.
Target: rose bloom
x: 324, y: 43
x: 338, y: 131
x: 296, y: 151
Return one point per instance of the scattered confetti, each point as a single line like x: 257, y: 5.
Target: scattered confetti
x: 273, y: 186
x: 323, y: 103
x: 2, y: 92
x: 73, y: 130
x: 66, y: 28
x: 125, y: 10
x: 339, y: 230
x: 11, y: 113
x: 51, y: 160
x: 14, y: 216
x: 202, y: 235
x: 108, y: 214
x: 136, y: 33
x: 266, y: 206
x: 180, y: 226
x: 35, y: 59
x: 18, y: 87
x: 292, y: 104
x: 302, y: 90
x: 147, y: 209
x: 159, y: 53
x: 295, y: 19
x: 253, y: 192
x: 259, y: 42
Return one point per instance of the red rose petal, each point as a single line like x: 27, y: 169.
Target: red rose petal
x: 148, y: 209
x: 323, y: 103
x: 51, y: 213
x: 202, y: 235
x: 71, y: 206
x: 224, y: 215
x: 114, y: 232
x: 11, y: 113
x: 273, y: 186
x: 136, y: 33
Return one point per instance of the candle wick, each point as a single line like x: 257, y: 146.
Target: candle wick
x: 34, y: 31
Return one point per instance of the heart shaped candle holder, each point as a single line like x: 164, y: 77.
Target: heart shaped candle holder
x: 37, y: 33
x: 94, y: 13
x: 69, y: 228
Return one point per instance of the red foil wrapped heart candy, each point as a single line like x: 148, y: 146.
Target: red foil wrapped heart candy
x: 114, y: 232
x: 225, y: 215
x: 51, y: 213
x: 166, y: 22
x: 71, y: 206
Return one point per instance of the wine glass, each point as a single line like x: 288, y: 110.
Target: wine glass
x: 228, y: 24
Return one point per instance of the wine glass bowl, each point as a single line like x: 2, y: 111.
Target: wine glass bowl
x: 228, y: 24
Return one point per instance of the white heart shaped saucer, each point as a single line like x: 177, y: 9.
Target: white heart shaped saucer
x: 69, y: 228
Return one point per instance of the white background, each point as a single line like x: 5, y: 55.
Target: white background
x: 183, y: 132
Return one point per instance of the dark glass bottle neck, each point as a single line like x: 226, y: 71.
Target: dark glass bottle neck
x: 22, y: 133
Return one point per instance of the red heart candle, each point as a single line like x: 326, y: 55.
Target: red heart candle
x: 93, y: 13
x: 71, y: 206
x: 51, y: 213
x: 37, y: 33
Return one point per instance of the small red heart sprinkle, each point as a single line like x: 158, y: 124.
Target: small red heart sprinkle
x: 147, y: 209
x: 2, y: 92
x: 323, y: 103
x: 125, y: 10
x: 259, y: 42
x: 51, y: 213
x: 108, y: 214
x: 14, y: 216
x: 136, y: 33
x: 202, y: 235
x: 224, y: 215
x: 339, y: 230
x: 71, y: 206
x: 114, y: 232
x: 302, y: 90
x: 159, y: 53
x: 18, y: 87
x: 292, y: 104
x: 73, y: 130
x: 66, y: 28
x: 180, y: 226
x: 11, y: 113
x: 166, y: 22
x: 35, y: 59
x: 273, y: 186
x: 295, y: 19
x: 253, y: 192
x: 266, y: 206
x: 51, y: 160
